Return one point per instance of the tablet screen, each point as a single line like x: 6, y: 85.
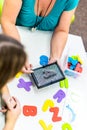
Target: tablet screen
x: 47, y: 75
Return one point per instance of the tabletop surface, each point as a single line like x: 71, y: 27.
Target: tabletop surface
x: 41, y: 108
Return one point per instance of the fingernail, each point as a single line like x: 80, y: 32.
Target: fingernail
x: 31, y: 71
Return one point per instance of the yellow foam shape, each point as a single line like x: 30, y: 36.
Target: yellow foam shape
x: 66, y: 126
x: 79, y: 59
x: 45, y: 127
x: 48, y: 103
x: 18, y: 74
x: 74, y: 57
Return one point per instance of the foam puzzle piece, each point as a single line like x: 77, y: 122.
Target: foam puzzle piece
x: 73, y: 114
x: 45, y: 127
x: 59, y: 95
x: 18, y: 74
x: 48, y: 103
x: 69, y: 59
x: 66, y: 126
x: 24, y: 84
x: 72, y: 67
x: 29, y: 110
x: 43, y: 60
x: 64, y: 83
x: 72, y: 61
x: 55, y: 111
x: 78, y: 68
x: 68, y: 65
x: 78, y: 65
x: 77, y: 58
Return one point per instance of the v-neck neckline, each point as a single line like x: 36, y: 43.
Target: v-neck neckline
x: 48, y: 13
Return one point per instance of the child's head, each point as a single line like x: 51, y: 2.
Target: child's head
x: 12, y: 58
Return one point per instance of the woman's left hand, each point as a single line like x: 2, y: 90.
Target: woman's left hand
x: 52, y: 60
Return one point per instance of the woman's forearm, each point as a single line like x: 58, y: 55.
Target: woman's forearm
x: 10, y: 29
x: 58, y: 43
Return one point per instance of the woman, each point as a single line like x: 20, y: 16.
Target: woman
x: 12, y: 60
x: 50, y: 15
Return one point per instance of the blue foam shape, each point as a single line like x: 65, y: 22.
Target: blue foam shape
x: 74, y: 62
x: 69, y: 59
x: 43, y: 63
x: 43, y: 60
x: 43, y: 57
x: 72, y: 67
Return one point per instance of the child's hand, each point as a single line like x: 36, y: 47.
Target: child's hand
x: 14, y: 112
x: 12, y: 115
x: 9, y: 102
x: 27, y: 68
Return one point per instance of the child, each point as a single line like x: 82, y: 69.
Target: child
x: 12, y: 60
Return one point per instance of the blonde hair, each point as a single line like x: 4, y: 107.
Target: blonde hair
x: 12, y: 58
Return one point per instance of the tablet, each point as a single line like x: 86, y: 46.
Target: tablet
x: 47, y: 75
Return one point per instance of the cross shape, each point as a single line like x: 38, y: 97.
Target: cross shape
x: 24, y: 84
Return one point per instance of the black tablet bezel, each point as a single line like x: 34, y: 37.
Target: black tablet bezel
x: 35, y: 79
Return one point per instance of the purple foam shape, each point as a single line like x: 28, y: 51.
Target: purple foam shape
x: 24, y: 84
x: 60, y: 95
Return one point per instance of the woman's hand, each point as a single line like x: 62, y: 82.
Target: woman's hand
x: 52, y: 60
x: 62, y: 63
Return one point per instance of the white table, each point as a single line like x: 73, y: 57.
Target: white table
x: 36, y: 44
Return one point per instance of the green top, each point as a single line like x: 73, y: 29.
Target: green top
x: 27, y: 16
